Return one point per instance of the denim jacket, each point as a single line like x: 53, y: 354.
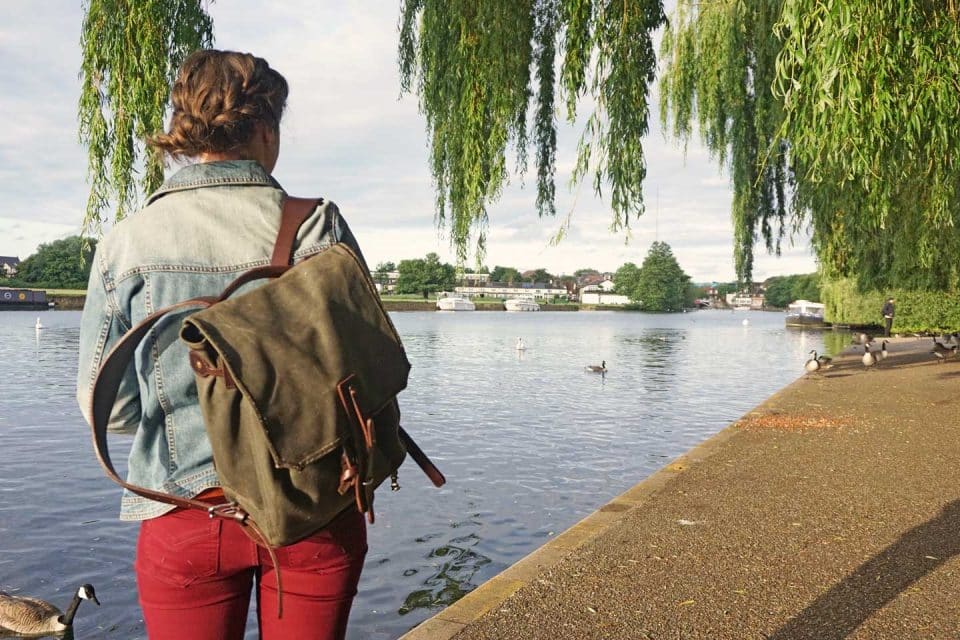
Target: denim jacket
x: 205, y: 226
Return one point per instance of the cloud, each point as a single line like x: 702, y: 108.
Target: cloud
x: 22, y: 237
x: 350, y: 137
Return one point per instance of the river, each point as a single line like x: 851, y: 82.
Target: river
x: 530, y: 443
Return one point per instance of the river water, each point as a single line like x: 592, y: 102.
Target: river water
x: 529, y: 441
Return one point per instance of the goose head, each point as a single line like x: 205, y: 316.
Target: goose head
x: 86, y: 592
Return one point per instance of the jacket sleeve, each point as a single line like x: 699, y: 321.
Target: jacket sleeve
x: 101, y: 325
x: 342, y: 233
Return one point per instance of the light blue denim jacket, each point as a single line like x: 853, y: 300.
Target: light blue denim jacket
x: 205, y: 226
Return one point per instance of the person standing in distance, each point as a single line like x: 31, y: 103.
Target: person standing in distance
x: 887, y: 312
x: 212, y: 220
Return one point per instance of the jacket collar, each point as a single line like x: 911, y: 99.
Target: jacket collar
x: 216, y: 174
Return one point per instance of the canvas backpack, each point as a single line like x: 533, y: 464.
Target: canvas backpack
x: 297, y: 380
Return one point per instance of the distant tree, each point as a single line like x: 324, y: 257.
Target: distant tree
x: 505, y: 274
x: 386, y: 266
x: 63, y: 264
x: 780, y: 291
x: 540, y: 275
x: 425, y: 275
x: 579, y: 273
x: 662, y: 284
x: 625, y: 280
x: 727, y: 287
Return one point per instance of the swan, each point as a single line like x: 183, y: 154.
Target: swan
x: 520, y: 345
x: 23, y: 615
x: 39, y: 324
x: 598, y: 369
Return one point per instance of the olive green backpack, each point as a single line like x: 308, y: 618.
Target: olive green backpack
x: 297, y: 381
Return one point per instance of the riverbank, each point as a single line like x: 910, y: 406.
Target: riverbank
x: 830, y: 511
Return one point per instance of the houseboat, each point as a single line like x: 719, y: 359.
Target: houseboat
x: 806, y: 314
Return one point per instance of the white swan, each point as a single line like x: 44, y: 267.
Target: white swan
x: 39, y: 325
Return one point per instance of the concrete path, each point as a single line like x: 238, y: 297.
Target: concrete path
x: 830, y: 511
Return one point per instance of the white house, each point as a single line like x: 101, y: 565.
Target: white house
x: 8, y: 266
x: 600, y: 297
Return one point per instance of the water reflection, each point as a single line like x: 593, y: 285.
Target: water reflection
x: 452, y: 579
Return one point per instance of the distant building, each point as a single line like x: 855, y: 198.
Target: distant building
x: 539, y: 290
x: 601, y: 297
x: 8, y: 266
x: 474, y: 279
x: 386, y: 281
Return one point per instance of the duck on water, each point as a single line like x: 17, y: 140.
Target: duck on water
x: 601, y: 368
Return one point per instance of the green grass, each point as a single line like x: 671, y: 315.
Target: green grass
x: 66, y: 292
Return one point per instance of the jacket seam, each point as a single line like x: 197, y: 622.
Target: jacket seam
x: 312, y: 249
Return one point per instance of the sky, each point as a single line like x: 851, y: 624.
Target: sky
x: 348, y: 135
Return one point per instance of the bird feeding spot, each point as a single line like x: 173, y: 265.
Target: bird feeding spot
x: 792, y: 422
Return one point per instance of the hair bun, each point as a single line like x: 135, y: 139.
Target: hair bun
x: 218, y: 99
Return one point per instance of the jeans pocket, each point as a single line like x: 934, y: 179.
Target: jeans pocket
x: 341, y: 543
x: 179, y: 548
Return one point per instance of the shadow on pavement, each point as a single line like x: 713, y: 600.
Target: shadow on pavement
x: 842, y: 609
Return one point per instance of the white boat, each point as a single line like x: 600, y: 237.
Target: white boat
x: 454, y: 302
x: 742, y: 302
x: 526, y: 303
x: 803, y: 313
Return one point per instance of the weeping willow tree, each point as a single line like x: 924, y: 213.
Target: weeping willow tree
x: 131, y: 52
x: 871, y: 95
x: 843, y: 115
x: 719, y: 67
x: 477, y: 67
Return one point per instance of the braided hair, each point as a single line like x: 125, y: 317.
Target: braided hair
x: 218, y: 99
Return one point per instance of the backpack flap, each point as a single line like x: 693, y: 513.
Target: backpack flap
x: 288, y: 344
x: 268, y: 364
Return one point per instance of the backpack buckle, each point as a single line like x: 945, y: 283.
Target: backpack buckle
x: 228, y: 511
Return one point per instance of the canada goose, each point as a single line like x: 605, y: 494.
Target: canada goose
x: 941, y: 351
x: 868, y: 359
x: 815, y: 362
x: 33, y: 616
x: 598, y: 369
x: 883, y: 350
x: 861, y: 338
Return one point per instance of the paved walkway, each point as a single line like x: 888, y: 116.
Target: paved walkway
x: 830, y: 511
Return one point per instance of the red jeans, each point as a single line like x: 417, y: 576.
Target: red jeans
x: 195, y: 575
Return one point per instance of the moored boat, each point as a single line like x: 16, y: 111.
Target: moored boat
x: 454, y: 302
x: 803, y: 313
x: 526, y: 303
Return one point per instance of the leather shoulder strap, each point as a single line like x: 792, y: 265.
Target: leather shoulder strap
x: 105, y: 389
x: 107, y: 383
x: 295, y: 211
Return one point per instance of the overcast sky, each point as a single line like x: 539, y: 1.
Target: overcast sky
x: 350, y: 137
